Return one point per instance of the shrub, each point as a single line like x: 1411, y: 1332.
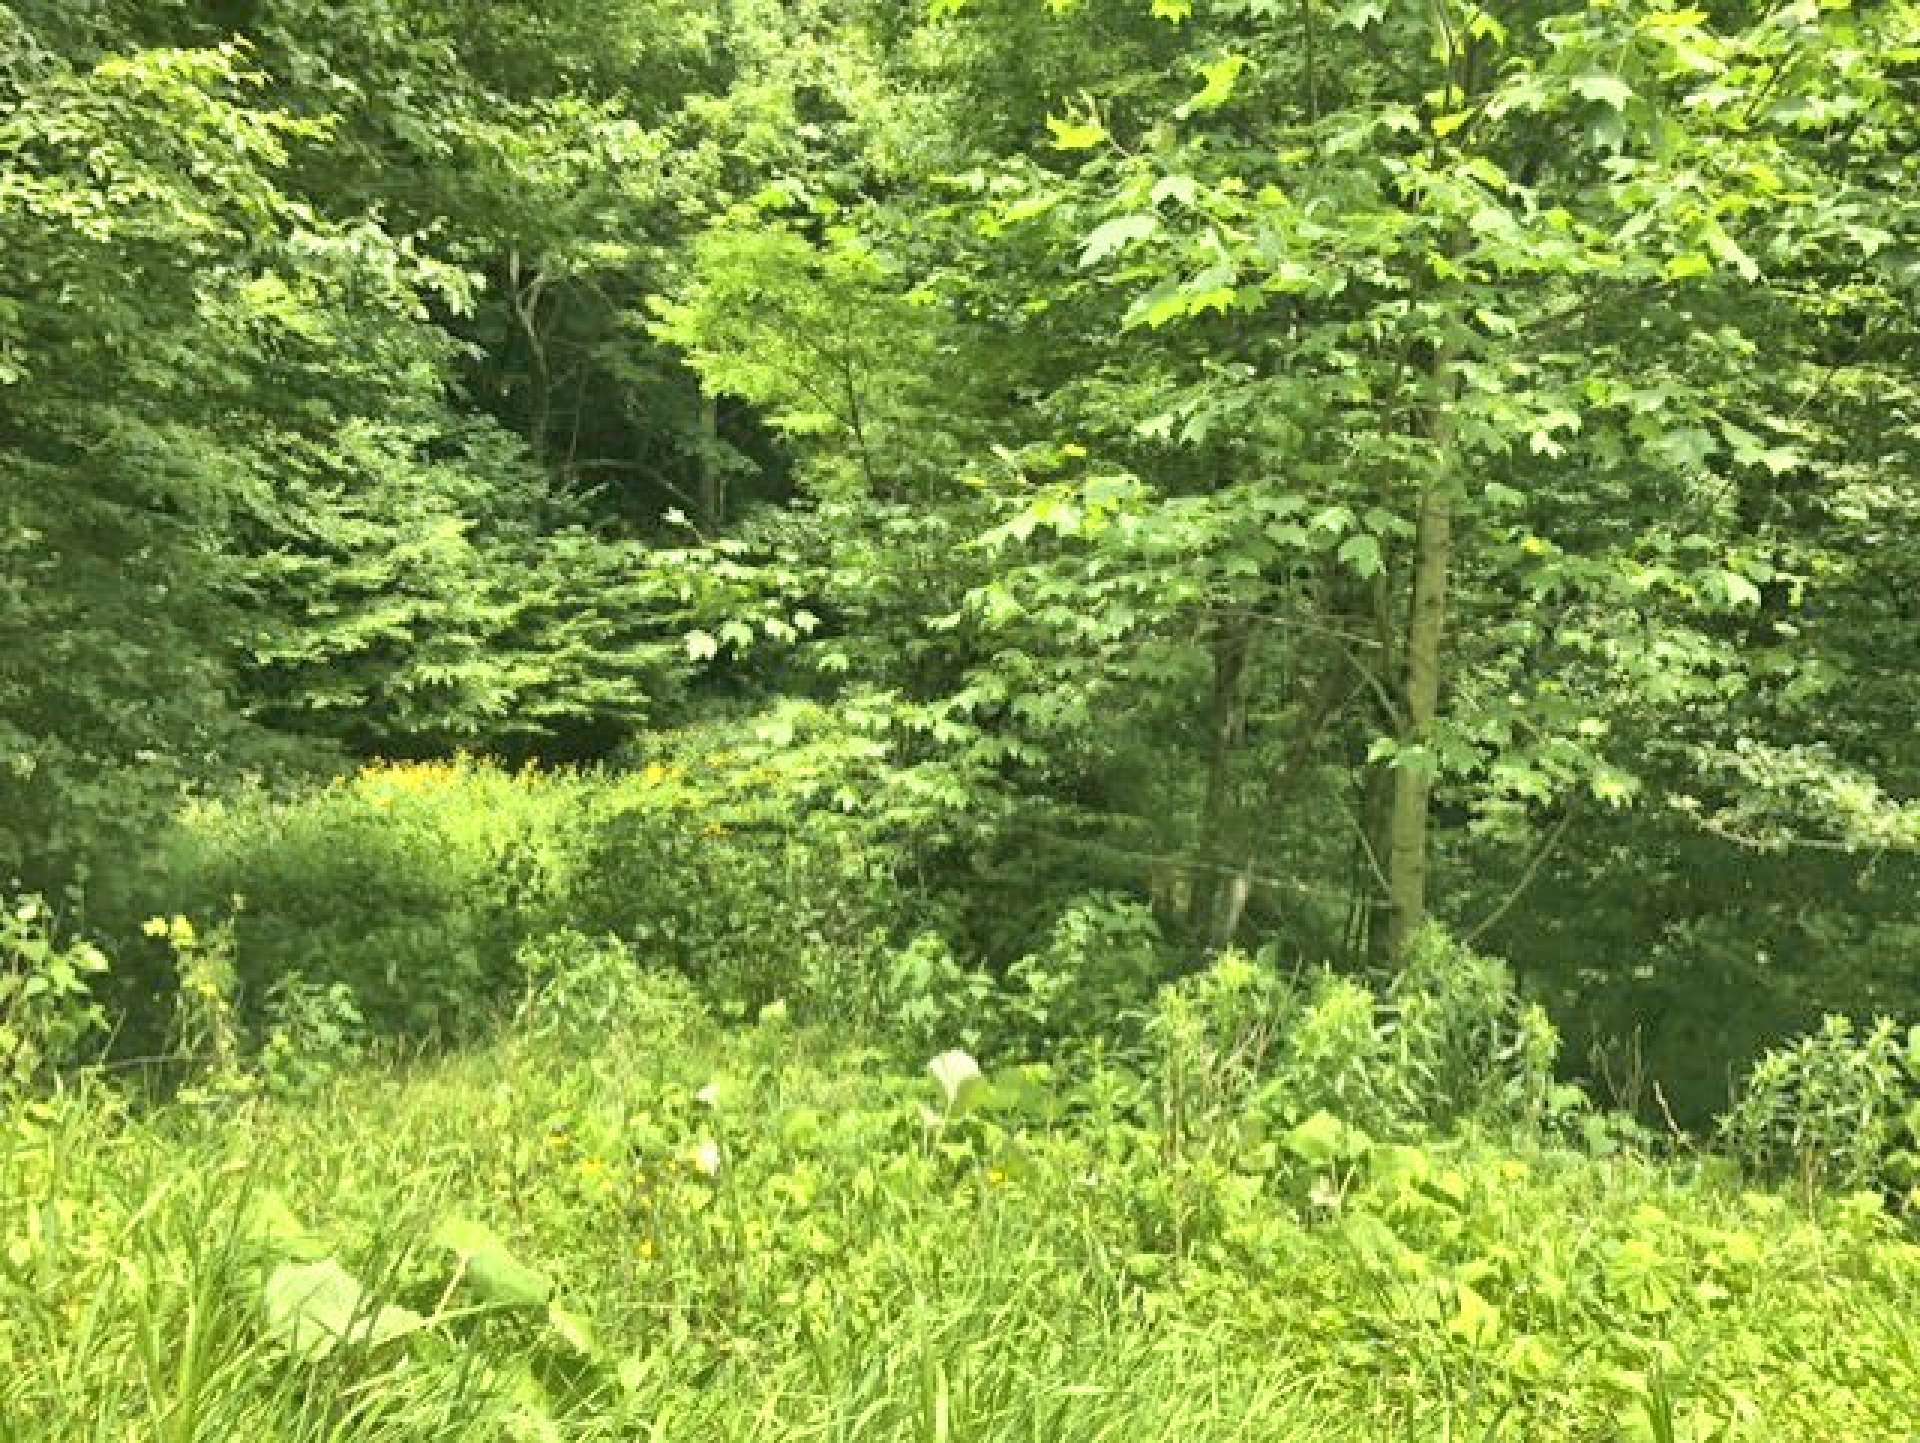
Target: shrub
x: 1461, y: 1038
x: 1102, y: 962
x: 205, y: 1038
x: 315, y: 1032
x: 1837, y: 1109
x: 1214, y: 1036
x: 1448, y: 1038
x: 775, y: 859
x: 48, y: 1011
x: 410, y: 885
x: 577, y: 985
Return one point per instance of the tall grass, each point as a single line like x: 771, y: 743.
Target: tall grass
x: 794, y: 1253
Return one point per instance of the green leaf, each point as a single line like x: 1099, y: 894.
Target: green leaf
x: 1182, y: 188
x: 490, y: 1266
x: 274, y: 1226
x: 1362, y: 553
x: 1728, y: 249
x: 1324, y: 1139
x: 1739, y: 591
x: 1603, y: 88
x: 574, y: 1332
x: 1115, y: 236
x: 1076, y: 135
x: 1475, y: 1320
x: 1222, y: 77
x: 314, y: 1308
x: 1687, y: 267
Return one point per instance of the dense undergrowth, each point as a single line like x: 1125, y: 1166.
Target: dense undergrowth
x: 687, y: 1230
x: 461, y: 1103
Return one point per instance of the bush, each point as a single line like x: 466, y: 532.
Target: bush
x: 315, y: 1032
x: 776, y: 860
x: 770, y: 859
x: 1449, y: 1038
x: 1837, y: 1109
x: 577, y: 985
x: 48, y: 1012
x: 1102, y: 962
x: 410, y: 885
x: 1462, y: 1040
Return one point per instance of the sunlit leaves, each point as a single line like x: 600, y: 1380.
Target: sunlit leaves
x: 1362, y: 553
x: 1602, y: 88
x: 1222, y: 78
x: 1076, y: 134
x: 1112, y: 237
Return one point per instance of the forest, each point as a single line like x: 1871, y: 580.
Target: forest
x: 960, y: 721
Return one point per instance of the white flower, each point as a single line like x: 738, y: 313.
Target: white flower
x: 707, y: 1160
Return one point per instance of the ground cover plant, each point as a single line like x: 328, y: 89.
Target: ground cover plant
x: 624, y: 1217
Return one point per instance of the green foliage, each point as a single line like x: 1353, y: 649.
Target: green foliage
x: 314, y: 1033
x: 1837, y: 1109
x: 205, y: 1033
x: 1102, y: 961
x: 1448, y: 1040
x: 442, y: 894
x: 759, y: 1234
x: 576, y: 985
x: 775, y: 860
x: 410, y: 884
x: 49, y: 1011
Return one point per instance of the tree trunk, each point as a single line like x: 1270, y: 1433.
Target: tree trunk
x: 1226, y: 725
x: 712, y: 480
x: 1407, y: 825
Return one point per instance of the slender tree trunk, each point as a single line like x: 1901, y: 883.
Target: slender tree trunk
x: 713, y: 482
x: 1226, y: 725
x: 1407, y: 825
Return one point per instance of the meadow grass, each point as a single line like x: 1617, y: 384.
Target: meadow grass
x: 688, y: 1232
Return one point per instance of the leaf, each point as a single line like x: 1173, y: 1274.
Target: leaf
x: 1174, y: 10
x: 1076, y: 135
x: 1362, y: 553
x: 1182, y: 188
x: 1475, y: 1320
x: 1320, y: 1140
x: 1115, y: 236
x: 491, y: 1267
x: 1687, y: 267
x: 1331, y: 518
x: 1222, y: 76
x: 574, y: 1332
x: 957, y: 1073
x: 1739, y: 590
x: 1728, y: 249
x: 314, y: 1308
x: 1603, y: 88
x: 275, y: 1226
